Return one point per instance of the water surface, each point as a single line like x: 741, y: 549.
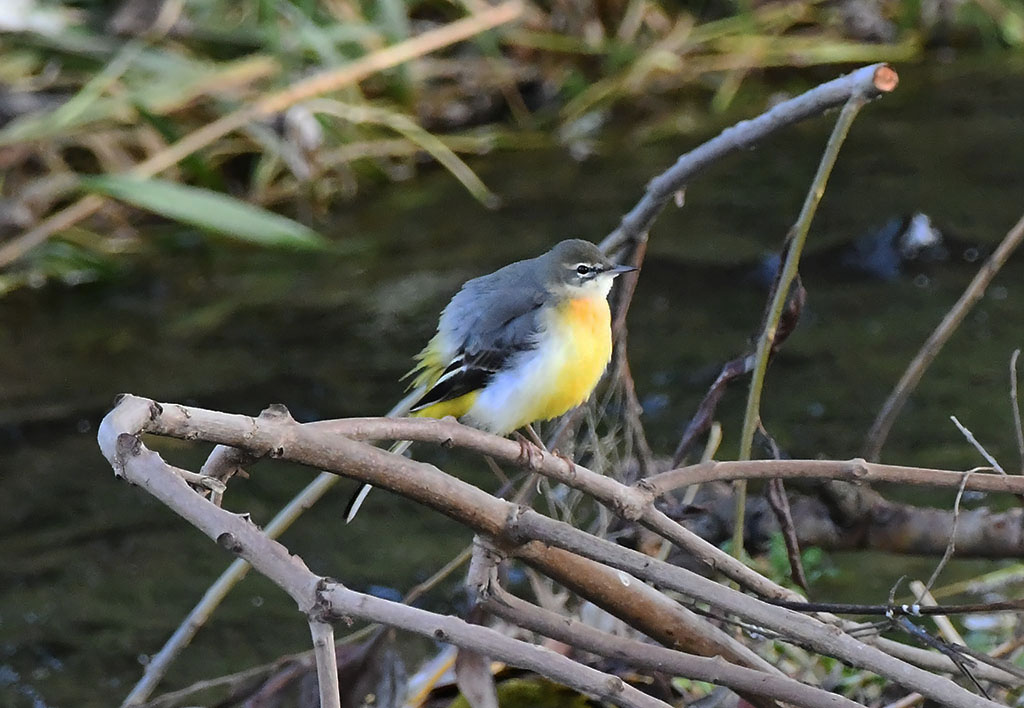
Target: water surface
x: 96, y: 574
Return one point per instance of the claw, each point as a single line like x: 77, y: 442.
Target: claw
x: 526, y: 451
x: 568, y: 460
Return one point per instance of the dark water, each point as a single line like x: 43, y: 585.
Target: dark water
x: 94, y: 574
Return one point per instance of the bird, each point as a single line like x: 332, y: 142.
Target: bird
x: 525, y: 343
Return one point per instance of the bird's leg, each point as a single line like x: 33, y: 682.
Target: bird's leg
x: 527, y: 448
x: 560, y: 455
x: 525, y: 456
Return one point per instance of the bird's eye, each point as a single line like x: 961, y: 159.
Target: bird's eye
x: 582, y: 269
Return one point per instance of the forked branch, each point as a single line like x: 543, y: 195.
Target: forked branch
x: 523, y: 532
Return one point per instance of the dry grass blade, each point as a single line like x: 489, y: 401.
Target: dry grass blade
x: 408, y: 128
x: 317, y: 85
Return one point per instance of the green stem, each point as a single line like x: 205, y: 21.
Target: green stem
x: 797, y: 238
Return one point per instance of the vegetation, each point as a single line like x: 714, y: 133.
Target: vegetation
x: 98, y: 88
x: 222, y: 117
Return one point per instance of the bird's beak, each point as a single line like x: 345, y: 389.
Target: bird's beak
x: 620, y: 269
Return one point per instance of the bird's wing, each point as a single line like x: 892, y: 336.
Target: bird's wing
x: 491, y: 319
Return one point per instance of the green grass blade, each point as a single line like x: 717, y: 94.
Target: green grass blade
x: 207, y: 210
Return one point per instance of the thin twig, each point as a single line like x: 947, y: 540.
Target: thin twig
x: 945, y: 627
x: 703, y: 418
x: 951, y: 545
x: 1018, y: 430
x: 969, y: 436
x: 622, y: 376
x: 326, y: 663
x: 900, y: 610
x: 933, y: 345
x: 779, y: 502
x: 955, y: 653
x: 794, y: 248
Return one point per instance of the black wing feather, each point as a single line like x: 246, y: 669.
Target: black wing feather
x: 466, y: 373
x: 472, y: 370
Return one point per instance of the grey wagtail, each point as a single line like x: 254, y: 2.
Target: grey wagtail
x: 524, y: 343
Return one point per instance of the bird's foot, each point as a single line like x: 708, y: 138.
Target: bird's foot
x: 567, y: 460
x: 527, y: 451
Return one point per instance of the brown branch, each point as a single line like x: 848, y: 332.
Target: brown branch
x: 856, y: 470
x: 820, y: 637
x: 869, y: 82
x: 779, y: 502
x: 930, y: 349
x: 319, y: 598
x: 652, y: 658
x: 620, y: 497
x: 843, y: 516
x: 326, y: 663
x: 633, y: 503
x: 621, y: 375
x: 860, y: 518
x: 316, y: 445
x: 515, y: 527
x: 705, y: 413
x: 740, y: 366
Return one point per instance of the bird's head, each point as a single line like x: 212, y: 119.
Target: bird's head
x: 579, y: 268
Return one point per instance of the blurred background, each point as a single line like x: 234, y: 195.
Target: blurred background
x: 302, y: 258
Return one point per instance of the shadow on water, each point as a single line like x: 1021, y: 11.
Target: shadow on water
x: 96, y: 574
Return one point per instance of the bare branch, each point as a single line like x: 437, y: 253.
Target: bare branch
x: 320, y: 598
x: 869, y: 82
x: 786, y: 277
x: 515, y: 527
x: 930, y: 349
x: 486, y: 641
x: 326, y: 663
x: 855, y: 470
x: 652, y: 658
x: 1018, y: 430
x: 639, y: 606
x: 629, y: 502
x: 951, y: 546
x: 969, y: 436
x: 238, y: 569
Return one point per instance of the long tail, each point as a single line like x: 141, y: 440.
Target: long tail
x: 356, y: 500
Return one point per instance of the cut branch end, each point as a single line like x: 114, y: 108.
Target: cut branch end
x: 886, y: 79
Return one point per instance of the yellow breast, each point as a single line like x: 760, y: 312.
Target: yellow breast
x: 573, y: 349
x: 582, y: 326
